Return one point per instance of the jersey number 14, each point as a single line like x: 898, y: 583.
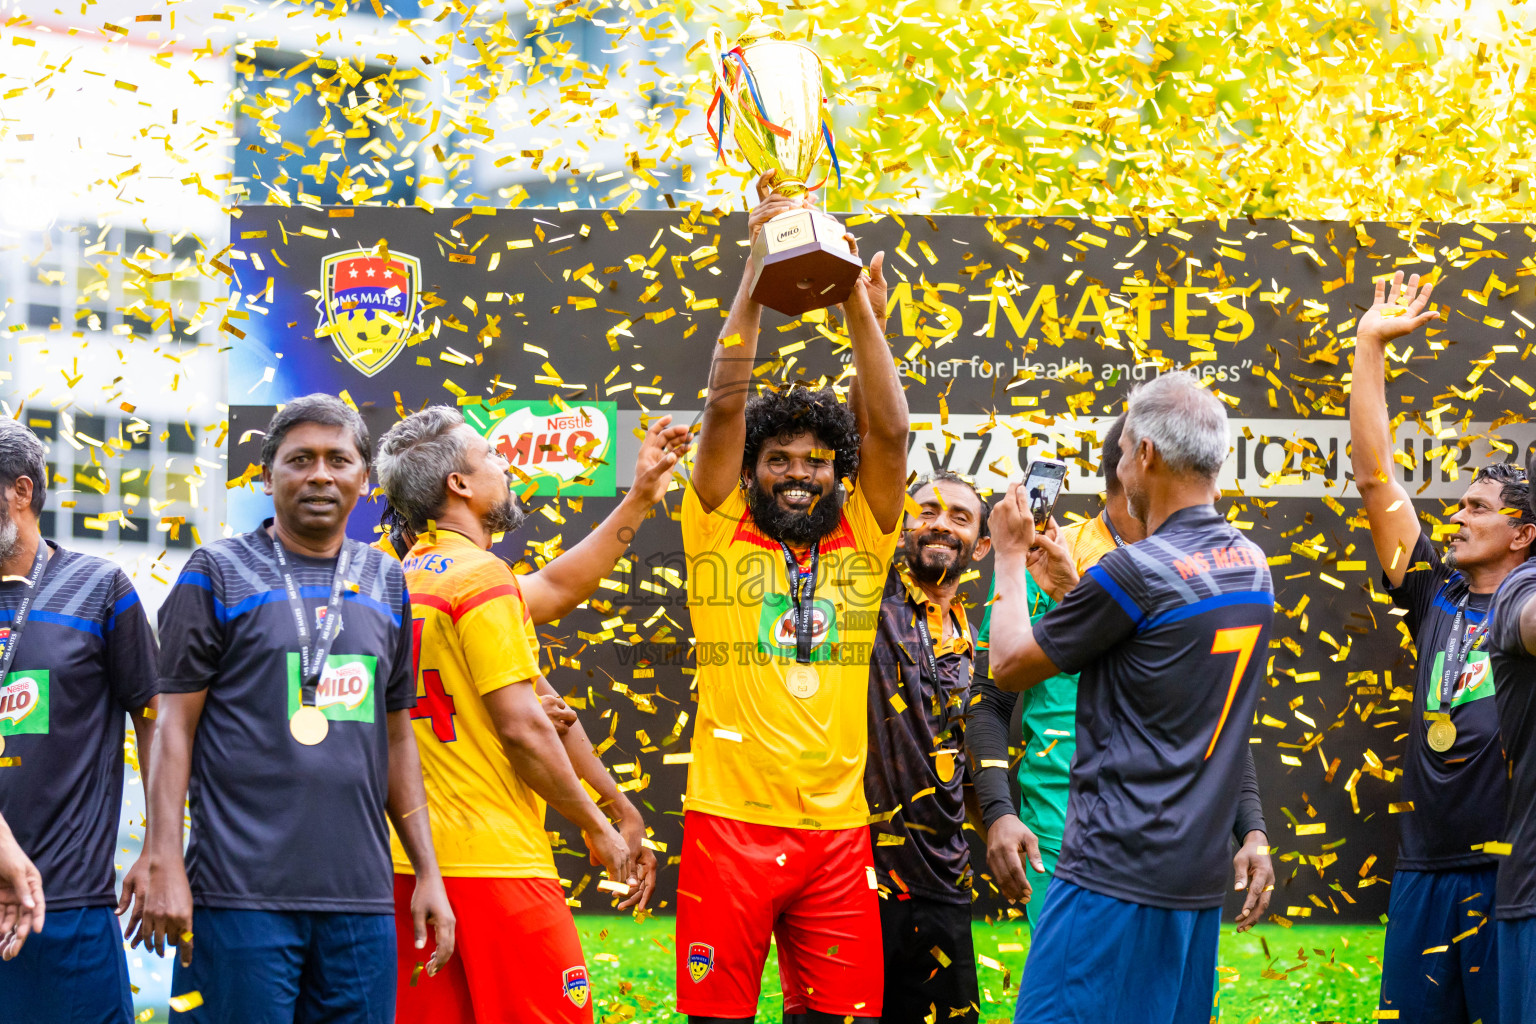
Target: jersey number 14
x: 436, y: 704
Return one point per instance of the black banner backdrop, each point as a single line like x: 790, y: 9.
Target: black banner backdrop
x: 1016, y: 337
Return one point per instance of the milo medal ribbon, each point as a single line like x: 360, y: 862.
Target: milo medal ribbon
x: 801, y: 678
x: 309, y: 725
x: 12, y: 636
x: 1463, y: 640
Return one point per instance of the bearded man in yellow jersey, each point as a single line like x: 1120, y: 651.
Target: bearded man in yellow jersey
x: 491, y: 754
x: 789, y: 524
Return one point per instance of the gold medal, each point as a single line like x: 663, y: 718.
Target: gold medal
x: 1442, y: 735
x: 944, y: 764
x: 309, y: 725
x: 802, y: 680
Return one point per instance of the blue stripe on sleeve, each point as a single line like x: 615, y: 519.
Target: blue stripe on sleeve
x: 1129, y: 606
x: 1259, y: 597
x: 378, y: 606
x: 202, y: 582
x: 125, y: 602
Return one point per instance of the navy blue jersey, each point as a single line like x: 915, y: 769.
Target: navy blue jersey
x: 87, y: 657
x: 915, y: 778
x: 277, y: 825
x: 1516, y: 702
x: 1169, y: 635
x: 1458, y: 796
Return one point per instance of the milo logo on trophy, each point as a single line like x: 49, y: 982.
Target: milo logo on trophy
x: 770, y: 92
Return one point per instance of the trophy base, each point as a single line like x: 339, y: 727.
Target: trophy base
x: 801, y: 262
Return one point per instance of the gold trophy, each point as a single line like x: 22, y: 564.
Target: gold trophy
x: 770, y: 93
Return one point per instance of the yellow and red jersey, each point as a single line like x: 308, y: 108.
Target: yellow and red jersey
x: 761, y: 754
x: 473, y: 635
x: 1088, y: 541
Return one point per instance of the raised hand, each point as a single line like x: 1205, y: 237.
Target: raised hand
x: 1402, y: 313
x: 770, y: 204
x: 1011, y: 523
x: 870, y: 285
x: 660, y: 452
x: 1050, y: 563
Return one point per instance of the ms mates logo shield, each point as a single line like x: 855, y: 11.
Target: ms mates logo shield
x: 370, y: 305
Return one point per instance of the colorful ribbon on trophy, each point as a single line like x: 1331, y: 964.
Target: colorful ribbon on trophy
x: 826, y: 133
x: 761, y: 111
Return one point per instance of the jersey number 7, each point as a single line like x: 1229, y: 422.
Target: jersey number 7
x: 1238, y: 640
x: 436, y: 704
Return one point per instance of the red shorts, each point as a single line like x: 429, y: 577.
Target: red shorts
x: 812, y: 890
x: 518, y: 957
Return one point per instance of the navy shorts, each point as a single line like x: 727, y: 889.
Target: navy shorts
x: 288, y: 967
x: 1095, y: 959
x: 1432, y: 970
x: 74, y: 971
x: 1517, y: 970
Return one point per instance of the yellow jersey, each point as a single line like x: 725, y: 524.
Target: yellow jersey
x: 762, y: 753
x: 1088, y: 541
x: 472, y: 635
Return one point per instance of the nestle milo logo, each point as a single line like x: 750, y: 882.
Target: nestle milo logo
x: 344, y: 686
x: 565, y: 450
x: 24, y: 704
x: 345, y: 691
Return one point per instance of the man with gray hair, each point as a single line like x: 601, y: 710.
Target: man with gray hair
x: 492, y: 756
x: 76, y: 656
x: 1168, y: 635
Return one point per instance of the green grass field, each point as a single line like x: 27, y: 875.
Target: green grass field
x: 1271, y: 975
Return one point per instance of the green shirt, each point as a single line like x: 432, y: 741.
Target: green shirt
x: 1048, y: 724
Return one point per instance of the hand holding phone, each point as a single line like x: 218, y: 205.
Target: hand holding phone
x: 1042, y: 486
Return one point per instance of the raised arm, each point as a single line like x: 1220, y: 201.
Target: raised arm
x: 723, y: 427
x: 1017, y: 660
x: 882, y: 402
x: 557, y: 589
x: 1388, y: 508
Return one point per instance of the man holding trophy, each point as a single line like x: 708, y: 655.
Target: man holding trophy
x: 789, y: 524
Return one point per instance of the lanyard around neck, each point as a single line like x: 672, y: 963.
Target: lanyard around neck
x: 314, y: 650
x: 13, y: 641
x: 802, y: 592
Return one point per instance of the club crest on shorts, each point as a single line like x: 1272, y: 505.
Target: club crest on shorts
x: 577, y: 988
x: 701, y: 960
x: 369, y: 305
